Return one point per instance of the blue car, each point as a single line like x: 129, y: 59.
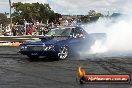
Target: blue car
x: 59, y: 43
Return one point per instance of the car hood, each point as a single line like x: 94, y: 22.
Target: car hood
x: 46, y: 41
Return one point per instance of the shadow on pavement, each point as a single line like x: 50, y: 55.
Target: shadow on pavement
x: 42, y: 59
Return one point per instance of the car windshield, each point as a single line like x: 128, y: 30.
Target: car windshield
x: 60, y: 32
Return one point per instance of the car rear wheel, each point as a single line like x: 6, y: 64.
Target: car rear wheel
x: 63, y: 53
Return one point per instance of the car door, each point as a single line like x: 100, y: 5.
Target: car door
x: 77, y: 41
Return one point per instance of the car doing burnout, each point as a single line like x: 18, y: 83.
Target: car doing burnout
x: 59, y: 43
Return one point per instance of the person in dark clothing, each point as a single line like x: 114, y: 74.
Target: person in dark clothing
x: 14, y: 31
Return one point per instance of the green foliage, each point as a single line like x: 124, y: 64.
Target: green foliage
x: 31, y: 12
x: 3, y: 19
x: 92, y: 16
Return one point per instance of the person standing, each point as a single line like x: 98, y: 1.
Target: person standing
x: 14, y: 31
x: 7, y: 31
x: 30, y: 30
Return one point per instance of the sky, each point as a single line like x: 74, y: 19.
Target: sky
x: 79, y: 7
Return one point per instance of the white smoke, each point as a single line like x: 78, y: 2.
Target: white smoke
x: 119, y: 35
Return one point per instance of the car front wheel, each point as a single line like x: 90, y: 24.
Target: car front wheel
x: 63, y: 53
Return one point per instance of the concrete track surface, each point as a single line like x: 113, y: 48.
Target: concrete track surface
x: 16, y: 71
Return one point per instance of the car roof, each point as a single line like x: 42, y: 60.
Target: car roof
x: 66, y: 27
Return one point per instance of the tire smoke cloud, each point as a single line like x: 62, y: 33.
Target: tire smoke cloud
x: 119, y: 36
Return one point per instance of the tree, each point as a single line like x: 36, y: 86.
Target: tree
x: 55, y: 18
x: 31, y: 12
x: 92, y: 13
x: 91, y: 17
x: 3, y: 19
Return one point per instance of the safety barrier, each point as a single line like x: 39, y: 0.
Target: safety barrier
x: 16, y: 40
x: 10, y: 44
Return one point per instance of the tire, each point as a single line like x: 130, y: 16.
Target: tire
x: 63, y: 53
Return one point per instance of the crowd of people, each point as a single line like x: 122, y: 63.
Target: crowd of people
x: 19, y: 30
x: 32, y: 29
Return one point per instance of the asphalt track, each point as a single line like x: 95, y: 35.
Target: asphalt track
x: 18, y: 72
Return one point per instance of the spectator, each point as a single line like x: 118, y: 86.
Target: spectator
x: 7, y: 31
x: 14, y: 31
x: 65, y: 23
x: 74, y: 22
x: 30, y: 30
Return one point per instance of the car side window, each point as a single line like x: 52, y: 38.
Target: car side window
x: 66, y: 32
x: 78, y: 32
